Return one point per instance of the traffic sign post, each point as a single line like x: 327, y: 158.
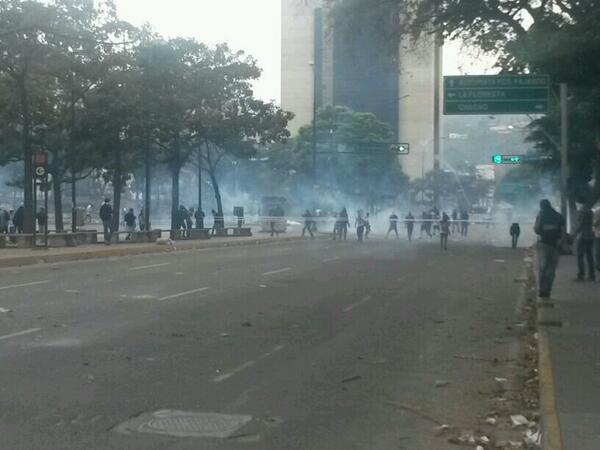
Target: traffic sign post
x: 40, y: 170
x: 496, y: 94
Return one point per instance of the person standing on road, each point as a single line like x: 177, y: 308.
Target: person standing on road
x: 360, y: 226
x: 410, y: 225
x: 444, y: 226
x: 585, y: 243
x: 142, y: 219
x: 4, y: 221
x: 550, y: 227
x: 344, y: 224
x: 308, y: 224
x: 129, y: 223
x: 515, y: 232
x: 42, y: 220
x: 597, y: 237
x: 464, y: 223
x: 106, y: 215
x: 273, y: 222
x: 393, y: 226
x: 367, y: 225
x: 199, y: 216
x: 19, y: 219
x: 455, y: 227
x: 189, y: 223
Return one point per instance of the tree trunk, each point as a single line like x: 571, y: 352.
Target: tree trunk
x: 58, y: 206
x: 117, y: 186
x: 200, y: 179
x: 27, y: 154
x: 175, y: 172
x: 213, y: 179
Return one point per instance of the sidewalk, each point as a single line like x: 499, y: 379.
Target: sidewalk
x: 574, y: 360
x: 10, y: 257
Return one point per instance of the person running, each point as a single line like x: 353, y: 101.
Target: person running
x: 367, y: 225
x: 129, y: 223
x: 106, y: 216
x: 360, y: 226
x: 410, y: 225
x: 585, y: 243
x: 344, y: 224
x: 550, y: 227
x: 393, y: 226
x: 515, y: 232
x: 308, y: 224
x: 444, y: 226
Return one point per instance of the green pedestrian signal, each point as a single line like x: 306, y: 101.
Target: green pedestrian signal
x: 507, y: 159
x: 497, y: 159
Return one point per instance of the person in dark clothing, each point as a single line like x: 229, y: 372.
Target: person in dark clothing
x: 515, y: 232
x: 550, y: 227
x: 367, y: 225
x: 199, y: 216
x: 142, y: 219
x: 187, y: 219
x: 106, y: 215
x: 410, y: 225
x: 344, y: 224
x: 19, y: 219
x: 336, y: 227
x: 4, y: 221
x: 129, y: 223
x: 585, y: 243
x: 444, y: 226
x: 308, y: 224
x: 464, y: 223
x: 42, y: 220
x: 393, y: 226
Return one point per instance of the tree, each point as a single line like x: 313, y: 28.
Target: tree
x: 557, y: 37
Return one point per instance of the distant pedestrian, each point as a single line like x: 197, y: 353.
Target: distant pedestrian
x: 19, y: 219
x: 4, y: 221
x: 515, y: 232
x: 142, y: 220
x: 393, y: 225
x: 585, y: 243
x: 106, y: 215
x: 11, y: 225
x: 367, y: 225
x: 129, y: 223
x: 336, y: 226
x: 360, y: 226
x: 344, y: 224
x: 455, y: 224
x: 597, y: 238
x: 444, y: 226
x: 199, y: 216
x: 464, y: 223
x: 42, y: 220
x: 424, y: 224
x: 410, y: 225
x: 189, y: 223
x: 550, y: 226
x: 435, y: 223
x: 273, y: 222
x: 88, y: 213
x: 308, y: 224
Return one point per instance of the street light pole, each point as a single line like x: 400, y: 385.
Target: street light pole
x: 314, y: 128
x: 564, y: 148
x: 437, y: 69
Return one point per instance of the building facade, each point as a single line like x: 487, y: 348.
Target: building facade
x: 324, y: 66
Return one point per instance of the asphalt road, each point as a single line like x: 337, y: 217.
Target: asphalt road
x: 324, y: 345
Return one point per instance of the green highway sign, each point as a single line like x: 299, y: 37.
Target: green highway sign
x: 507, y: 159
x: 496, y: 94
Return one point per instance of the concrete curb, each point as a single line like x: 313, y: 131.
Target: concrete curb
x: 143, y: 249
x: 550, y: 423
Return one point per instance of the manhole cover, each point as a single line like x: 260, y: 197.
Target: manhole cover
x: 185, y: 424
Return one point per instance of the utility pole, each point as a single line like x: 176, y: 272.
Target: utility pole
x: 437, y: 69
x: 564, y: 149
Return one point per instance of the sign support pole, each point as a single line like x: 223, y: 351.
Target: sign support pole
x: 564, y: 148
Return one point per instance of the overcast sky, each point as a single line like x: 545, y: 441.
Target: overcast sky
x: 250, y: 25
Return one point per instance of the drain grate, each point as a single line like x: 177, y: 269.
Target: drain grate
x: 185, y: 424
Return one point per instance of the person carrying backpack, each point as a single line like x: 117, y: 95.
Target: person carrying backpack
x: 550, y: 227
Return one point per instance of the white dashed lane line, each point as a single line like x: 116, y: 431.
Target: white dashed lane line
x: 20, y: 333
x: 150, y: 266
x: 246, y: 365
x: 183, y: 294
x: 15, y: 286
x: 275, y: 272
x: 366, y: 299
x: 336, y: 258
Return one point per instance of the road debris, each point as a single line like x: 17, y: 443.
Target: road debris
x: 5, y: 310
x: 491, y: 421
x: 441, y: 383
x: 519, y: 420
x: 349, y: 380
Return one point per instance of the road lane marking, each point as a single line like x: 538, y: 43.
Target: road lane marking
x: 368, y: 298
x: 150, y: 266
x: 182, y: 294
x: 14, y: 286
x: 275, y: 272
x: 331, y: 259
x: 20, y: 333
x: 246, y: 365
